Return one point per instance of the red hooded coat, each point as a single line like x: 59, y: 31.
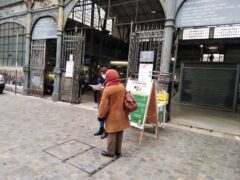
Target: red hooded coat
x: 113, y: 96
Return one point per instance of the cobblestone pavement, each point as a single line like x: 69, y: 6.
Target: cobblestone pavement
x: 40, y: 139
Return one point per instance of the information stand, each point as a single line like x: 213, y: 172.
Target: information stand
x: 70, y: 83
x: 145, y: 95
x: 162, y: 101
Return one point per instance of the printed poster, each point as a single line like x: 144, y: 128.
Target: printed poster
x: 145, y: 72
x: 69, y: 69
x: 141, y: 91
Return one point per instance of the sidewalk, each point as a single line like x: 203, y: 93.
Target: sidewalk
x: 11, y: 88
x: 42, y: 140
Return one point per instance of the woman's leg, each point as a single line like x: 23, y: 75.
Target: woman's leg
x: 119, y: 139
x: 95, y: 94
x: 104, y: 134
x: 111, y: 143
x: 101, y: 129
x: 101, y: 124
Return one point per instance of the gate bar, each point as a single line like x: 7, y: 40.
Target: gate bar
x: 140, y: 22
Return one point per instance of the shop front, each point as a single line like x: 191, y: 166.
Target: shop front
x: 207, y: 64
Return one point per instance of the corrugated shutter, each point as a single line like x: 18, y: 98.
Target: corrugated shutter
x: 209, y: 85
x: 45, y: 28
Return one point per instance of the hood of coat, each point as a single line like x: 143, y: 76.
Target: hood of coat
x: 112, y: 75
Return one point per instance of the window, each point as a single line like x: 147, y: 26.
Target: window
x: 82, y: 13
x: 214, y: 57
x: 227, y: 32
x: 201, y: 33
x: 219, y: 32
x: 10, y: 45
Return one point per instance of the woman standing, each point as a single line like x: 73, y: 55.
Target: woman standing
x: 116, y: 120
x: 101, y: 82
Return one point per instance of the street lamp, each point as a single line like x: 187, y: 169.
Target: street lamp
x: 201, y: 47
x: 16, y: 65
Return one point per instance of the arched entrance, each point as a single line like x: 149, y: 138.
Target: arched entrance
x: 43, y: 57
x: 107, y: 28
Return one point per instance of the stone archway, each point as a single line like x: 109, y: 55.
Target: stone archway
x: 68, y: 6
x: 179, y: 5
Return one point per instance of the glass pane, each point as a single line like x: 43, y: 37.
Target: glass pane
x: 1, y: 27
x: 6, y: 32
x: 5, y: 62
x: 1, y: 48
x: 20, y: 47
x: 10, y: 25
x: 1, y: 32
x: 1, y: 61
x: 20, y: 39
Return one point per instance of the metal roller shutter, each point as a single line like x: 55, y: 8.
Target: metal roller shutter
x: 209, y: 85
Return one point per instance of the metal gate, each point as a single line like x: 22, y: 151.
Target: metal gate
x: 37, y: 66
x: 73, y: 45
x: 145, y: 38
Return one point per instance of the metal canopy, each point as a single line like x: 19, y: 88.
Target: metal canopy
x: 126, y: 11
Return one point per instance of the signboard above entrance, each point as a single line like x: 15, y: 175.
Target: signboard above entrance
x: 208, y: 13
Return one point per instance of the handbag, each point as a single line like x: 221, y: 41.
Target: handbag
x: 130, y: 103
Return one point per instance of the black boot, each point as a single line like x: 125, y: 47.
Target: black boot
x: 104, y: 134
x: 105, y: 153
x: 99, y: 132
x: 118, y: 154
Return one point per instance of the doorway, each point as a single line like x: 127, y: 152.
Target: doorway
x: 108, y: 33
x: 50, y: 63
x: 43, y: 61
x: 43, y: 57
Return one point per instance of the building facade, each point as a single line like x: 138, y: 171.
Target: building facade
x: 32, y: 37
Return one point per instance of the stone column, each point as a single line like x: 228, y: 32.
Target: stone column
x: 58, y: 70
x: 92, y: 29
x: 169, y: 28
x: 26, y: 67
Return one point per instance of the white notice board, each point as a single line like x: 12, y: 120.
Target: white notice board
x: 69, y: 69
x: 145, y: 72
x: 146, y: 56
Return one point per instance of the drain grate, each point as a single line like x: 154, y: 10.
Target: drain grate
x: 67, y: 149
x: 91, y: 161
x: 80, y: 155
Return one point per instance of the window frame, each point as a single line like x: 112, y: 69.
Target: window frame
x: 8, y: 36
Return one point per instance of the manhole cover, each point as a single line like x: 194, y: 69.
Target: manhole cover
x: 68, y: 149
x: 90, y: 161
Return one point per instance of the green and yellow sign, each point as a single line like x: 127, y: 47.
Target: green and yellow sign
x: 137, y: 116
x: 141, y: 91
